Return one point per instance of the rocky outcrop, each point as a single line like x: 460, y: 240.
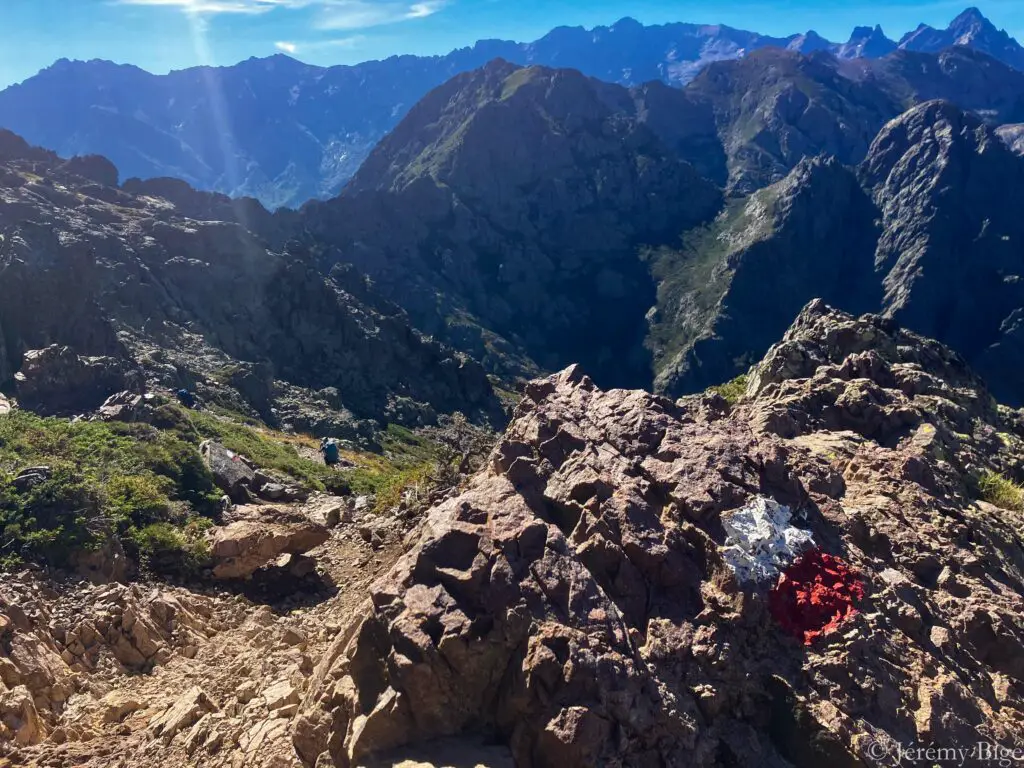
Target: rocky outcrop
x: 231, y: 472
x: 576, y: 601
x: 51, y: 642
x: 126, y: 407
x: 19, y: 720
x: 55, y: 380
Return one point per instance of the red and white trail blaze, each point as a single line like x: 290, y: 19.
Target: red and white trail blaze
x: 812, y: 592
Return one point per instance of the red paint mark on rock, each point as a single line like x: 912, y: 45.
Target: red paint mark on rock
x: 816, y: 594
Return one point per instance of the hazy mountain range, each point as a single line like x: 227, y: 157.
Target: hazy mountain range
x: 285, y: 132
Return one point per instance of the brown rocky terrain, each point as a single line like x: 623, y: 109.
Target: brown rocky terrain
x: 575, y: 602
x: 127, y: 675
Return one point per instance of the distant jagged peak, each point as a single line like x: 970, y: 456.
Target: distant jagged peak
x: 867, y: 42
x: 865, y: 33
x: 970, y: 20
x: 809, y: 42
x: 627, y: 24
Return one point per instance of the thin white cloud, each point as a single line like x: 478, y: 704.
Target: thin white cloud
x: 361, y: 14
x: 333, y: 14
x: 223, y: 6
x: 312, y: 46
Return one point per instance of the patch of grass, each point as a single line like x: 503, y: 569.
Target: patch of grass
x: 270, y: 450
x: 693, y: 277
x: 408, y: 461
x: 104, y: 478
x: 733, y: 391
x: 1004, y: 493
x: 146, y: 484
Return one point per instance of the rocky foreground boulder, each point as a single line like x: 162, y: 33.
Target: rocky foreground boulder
x: 258, y: 535
x: 582, y: 601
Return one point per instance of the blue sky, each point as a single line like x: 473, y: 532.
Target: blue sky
x: 160, y: 35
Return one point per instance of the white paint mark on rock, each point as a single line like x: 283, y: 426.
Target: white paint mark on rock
x: 761, y: 542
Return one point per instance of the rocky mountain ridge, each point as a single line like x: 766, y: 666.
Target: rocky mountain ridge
x: 202, y: 304
x: 285, y: 132
x: 922, y: 231
x: 576, y: 602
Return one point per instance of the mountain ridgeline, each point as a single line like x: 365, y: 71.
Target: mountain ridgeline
x: 532, y: 214
x: 285, y: 132
x: 530, y: 218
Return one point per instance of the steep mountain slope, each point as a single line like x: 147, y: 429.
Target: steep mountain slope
x: 203, y: 303
x: 946, y: 260
x: 285, y: 132
x: 531, y: 217
x: 514, y: 199
x: 951, y: 248
x: 726, y: 294
x: 773, y: 108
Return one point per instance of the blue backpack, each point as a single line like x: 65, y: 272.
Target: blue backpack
x: 332, y: 453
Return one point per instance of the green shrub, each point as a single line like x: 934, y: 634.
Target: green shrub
x: 164, y: 548
x: 106, y: 479
x: 996, y: 489
x: 147, y: 483
x: 734, y: 390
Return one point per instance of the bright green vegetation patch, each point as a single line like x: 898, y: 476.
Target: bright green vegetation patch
x: 733, y: 391
x: 290, y: 455
x: 998, y: 490
x: 146, y: 484
x: 105, y: 479
x: 405, y: 456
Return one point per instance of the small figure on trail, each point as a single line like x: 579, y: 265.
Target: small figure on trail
x: 186, y: 398
x: 331, y: 451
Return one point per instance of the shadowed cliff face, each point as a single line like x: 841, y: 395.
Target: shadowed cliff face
x: 515, y: 200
